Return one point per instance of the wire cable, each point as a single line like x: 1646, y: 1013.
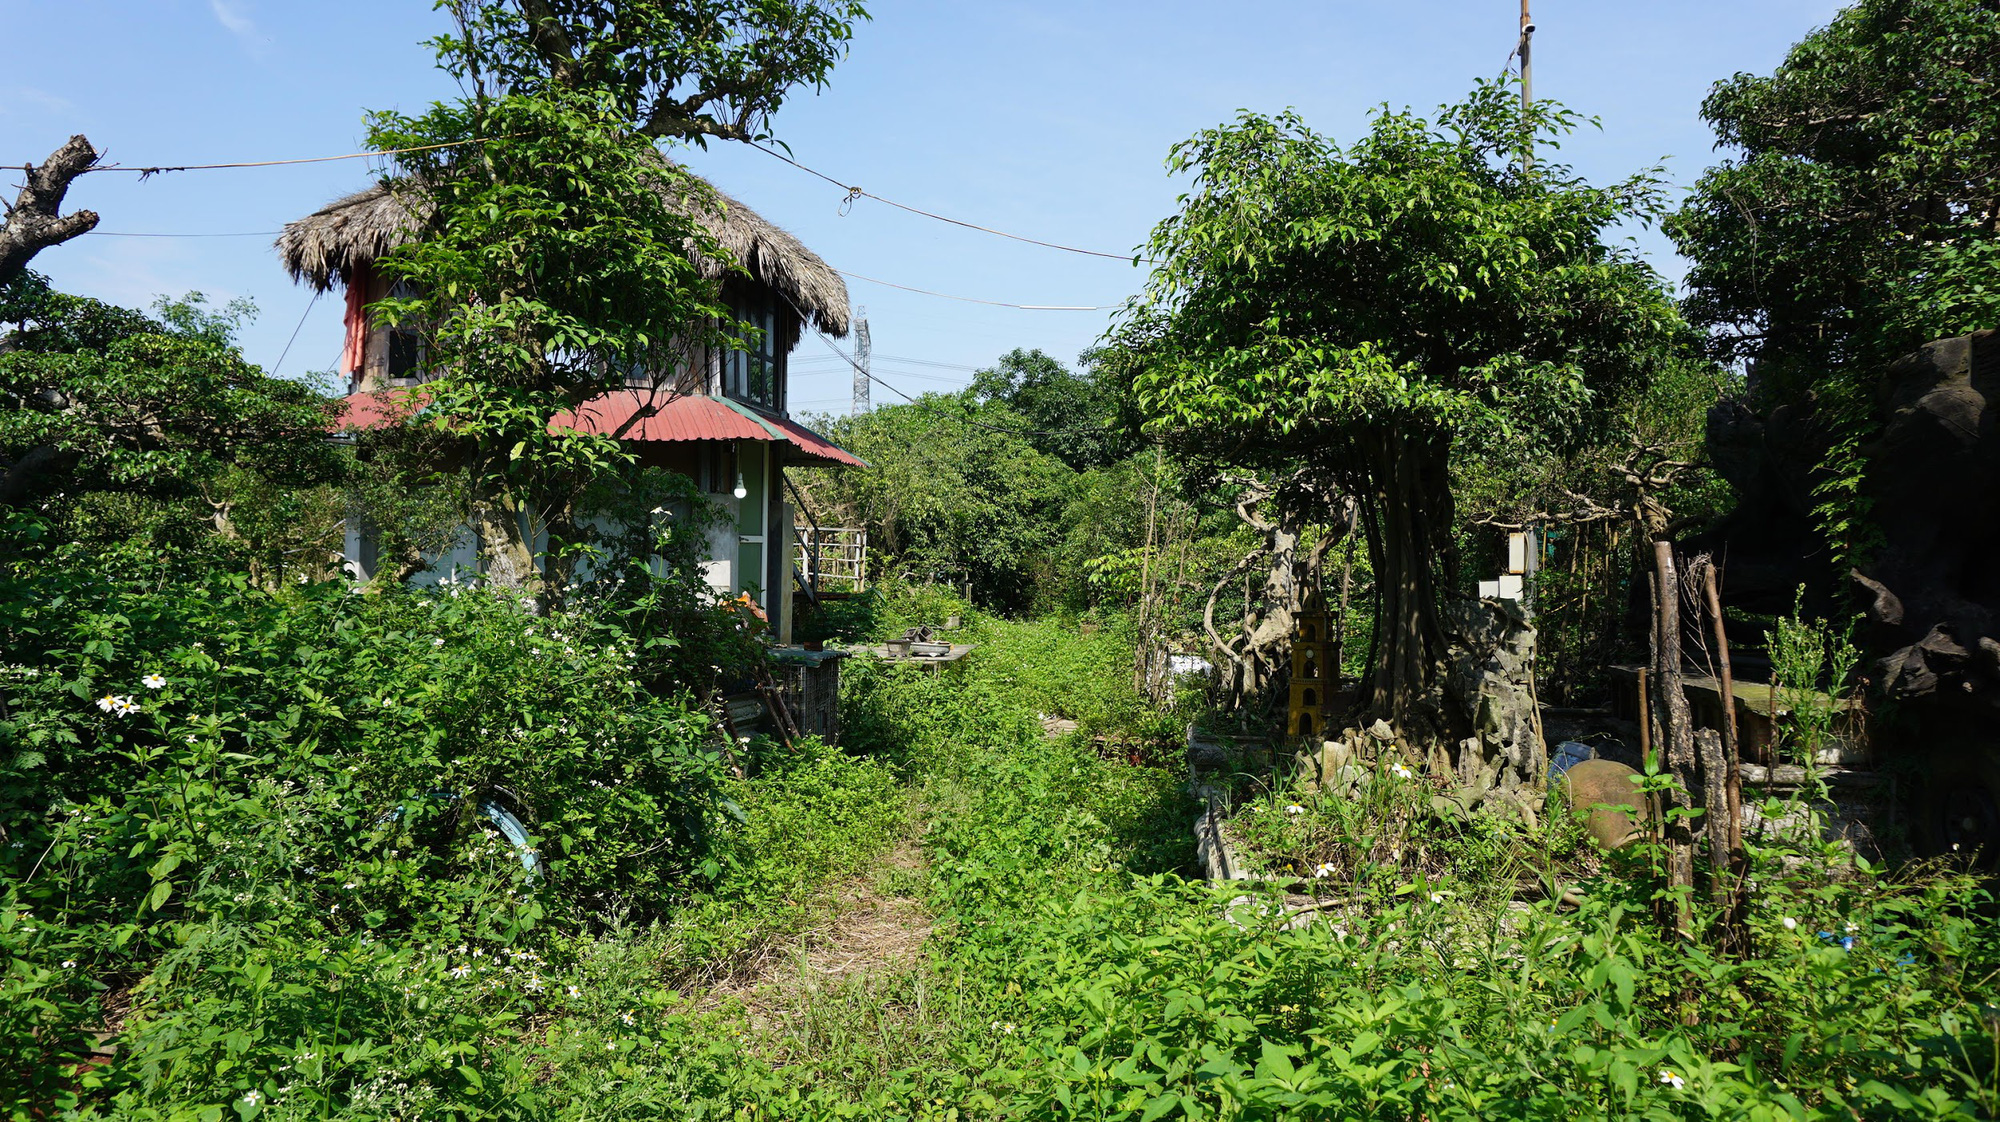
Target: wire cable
x: 295, y: 331
x: 148, y: 172
x: 854, y: 193
x: 835, y: 348
x: 239, y: 234
x: 842, y: 272
x: 992, y: 303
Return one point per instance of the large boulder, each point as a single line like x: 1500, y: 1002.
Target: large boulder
x: 1597, y: 790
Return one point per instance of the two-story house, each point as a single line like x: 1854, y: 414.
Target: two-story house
x: 722, y: 421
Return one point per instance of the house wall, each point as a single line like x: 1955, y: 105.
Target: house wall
x: 750, y: 548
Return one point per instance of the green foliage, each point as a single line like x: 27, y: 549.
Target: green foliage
x: 807, y: 820
x: 1856, y: 220
x: 352, y: 735
x: 952, y: 495
x: 1812, y: 665
x: 120, y: 426
x: 1367, y: 311
x: 1407, y: 280
x: 1073, y: 417
x: 682, y: 70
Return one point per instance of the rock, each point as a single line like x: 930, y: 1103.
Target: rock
x: 1381, y: 731
x: 1596, y: 788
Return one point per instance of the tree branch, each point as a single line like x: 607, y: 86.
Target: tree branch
x: 34, y: 221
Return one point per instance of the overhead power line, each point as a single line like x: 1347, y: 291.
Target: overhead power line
x: 147, y: 172
x: 842, y: 272
x: 239, y: 234
x: 977, y: 300
x: 854, y: 193
x: 960, y: 417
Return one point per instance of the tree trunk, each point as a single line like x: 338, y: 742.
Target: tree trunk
x: 35, y: 220
x: 503, y: 540
x: 1410, y: 510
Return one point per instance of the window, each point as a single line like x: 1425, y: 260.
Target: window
x: 751, y: 373
x: 719, y: 467
x: 406, y: 353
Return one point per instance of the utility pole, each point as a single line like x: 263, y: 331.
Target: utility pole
x: 860, y: 362
x: 1527, y: 87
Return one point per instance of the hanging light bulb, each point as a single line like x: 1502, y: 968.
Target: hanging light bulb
x: 741, y: 490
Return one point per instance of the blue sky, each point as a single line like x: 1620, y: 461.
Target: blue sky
x: 1038, y: 117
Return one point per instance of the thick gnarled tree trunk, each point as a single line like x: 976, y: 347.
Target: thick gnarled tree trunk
x: 1407, y: 510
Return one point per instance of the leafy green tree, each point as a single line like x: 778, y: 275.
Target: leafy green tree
x: 154, y: 424
x: 952, y: 492
x: 1364, y: 309
x: 1856, y: 219
x: 1071, y: 416
x: 558, y: 250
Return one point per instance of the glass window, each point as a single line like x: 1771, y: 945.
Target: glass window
x: 750, y: 373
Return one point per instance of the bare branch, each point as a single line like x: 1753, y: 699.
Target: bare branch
x: 34, y: 220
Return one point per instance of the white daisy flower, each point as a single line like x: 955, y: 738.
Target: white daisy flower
x: 153, y: 681
x: 1672, y: 1078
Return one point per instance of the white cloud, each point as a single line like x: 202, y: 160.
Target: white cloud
x: 239, y: 25
x: 26, y: 101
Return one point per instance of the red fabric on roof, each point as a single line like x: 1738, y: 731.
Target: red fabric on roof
x: 355, y: 319
x: 686, y: 417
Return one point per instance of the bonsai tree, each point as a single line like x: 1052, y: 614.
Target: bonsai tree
x: 1364, y: 310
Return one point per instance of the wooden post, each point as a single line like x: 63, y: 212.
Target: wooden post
x: 1340, y: 622
x: 1729, y: 735
x: 1676, y: 725
x: 1527, y: 86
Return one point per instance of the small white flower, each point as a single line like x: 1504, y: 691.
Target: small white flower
x: 1400, y: 772
x: 1672, y: 1078
x: 437, y: 642
x: 1323, y: 871
x: 1437, y: 897
x: 69, y: 964
x: 190, y: 738
x: 574, y: 991
x: 627, y: 1018
x: 107, y: 703
x: 1295, y: 809
x: 153, y: 681
x: 1852, y: 928
x: 252, y: 1097
x: 460, y: 971
x: 1790, y: 923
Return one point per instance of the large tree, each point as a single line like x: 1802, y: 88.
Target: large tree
x: 1856, y: 217
x: 1073, y: 416
x: 558, y: 249
x: 161, y: 411
x: 1361, y: 309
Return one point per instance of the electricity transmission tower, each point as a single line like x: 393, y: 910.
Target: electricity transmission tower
x: 860, y: 362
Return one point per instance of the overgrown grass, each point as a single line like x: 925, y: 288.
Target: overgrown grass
x: 1072, y: 972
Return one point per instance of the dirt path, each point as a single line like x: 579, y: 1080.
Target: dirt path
x: 878, y: 928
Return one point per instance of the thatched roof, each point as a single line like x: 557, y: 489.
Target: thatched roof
x: 321, y: 248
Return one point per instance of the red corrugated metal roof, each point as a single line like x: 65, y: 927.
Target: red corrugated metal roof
x: 685, y: 417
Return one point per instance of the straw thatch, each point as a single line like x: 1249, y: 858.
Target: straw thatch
x: 322, y: 248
